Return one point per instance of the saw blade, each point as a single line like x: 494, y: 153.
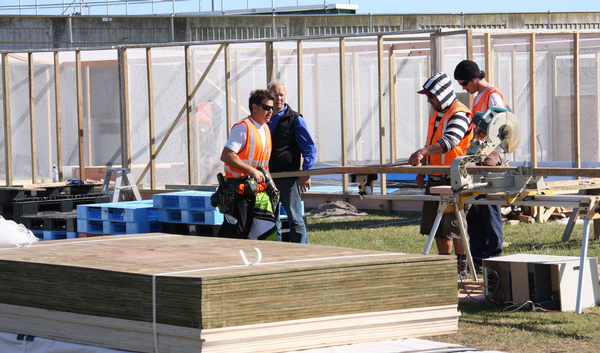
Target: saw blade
x: 509, y: 132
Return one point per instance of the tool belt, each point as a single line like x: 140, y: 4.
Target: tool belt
x: 226, y: 194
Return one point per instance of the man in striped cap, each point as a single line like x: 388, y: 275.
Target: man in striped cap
x: 448, y: 137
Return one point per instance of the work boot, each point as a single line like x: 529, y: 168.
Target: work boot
x: 461, y: 264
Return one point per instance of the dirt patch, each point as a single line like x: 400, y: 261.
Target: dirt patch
x: 335, y: 210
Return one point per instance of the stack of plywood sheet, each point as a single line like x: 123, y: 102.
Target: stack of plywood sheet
x: 167, y: 293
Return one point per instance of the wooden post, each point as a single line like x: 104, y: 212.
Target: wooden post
x: 381, y: 91
x: 489, y: 58
x: 80, y: 114
x: 195, y: 126
x: 392, y: 97
x: 49, y: 122
x: 152, y: 135
x: 318, y: 104
x: 32, y: 119
x: 576, y: 117
x: 7, y: 124
x: 238, y: 93
x: 88, y: 114
x: 597, y: 103
x: 228, y: 87
x: 190, y: 122
x: 269, y: 57
x: 514, y: 93
x: 59, y: 159
x: 344, y: 151
x: 532, y: 98
x: 300, y: 73
x: 356, y: 91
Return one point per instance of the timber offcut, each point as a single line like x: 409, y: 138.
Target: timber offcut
x: 167, y: 293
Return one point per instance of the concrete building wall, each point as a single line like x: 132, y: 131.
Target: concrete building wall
x: 37, y: 32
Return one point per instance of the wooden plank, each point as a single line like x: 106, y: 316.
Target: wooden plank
x: 344, y: 144
x: 381, y: 100
x: 404, y: 169
x: 88, y: 114
x: 58, y: 111
x: 532, y: 93
x: 190, y: 121
x: 269, y: 61
x: 98, y: 331
x: 576, y: 115
x: 300, y: 74
x: 392, y: 97
x: 34, y: 169
x: 151, y: 131
x: 357, y: 89
x: 80, y: 132
x: 329, y: 331
x: 7, y: 120
x: 125, y: 121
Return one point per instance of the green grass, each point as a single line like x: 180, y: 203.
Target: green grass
x: 484, y: 326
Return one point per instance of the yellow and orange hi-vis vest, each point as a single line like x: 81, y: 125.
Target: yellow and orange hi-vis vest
x: 483, y: 103
x: 434, y: 134
x: 253, y: 152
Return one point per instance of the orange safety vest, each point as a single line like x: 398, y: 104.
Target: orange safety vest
x: 484, y: 102
x: 435, y: 134
x: 253, y: 152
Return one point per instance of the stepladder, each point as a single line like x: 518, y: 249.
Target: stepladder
x: 123, y: 189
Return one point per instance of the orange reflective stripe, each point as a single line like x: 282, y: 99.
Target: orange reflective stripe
x: 253, y: 153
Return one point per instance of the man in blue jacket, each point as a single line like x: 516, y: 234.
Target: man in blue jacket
x: 291, y: 143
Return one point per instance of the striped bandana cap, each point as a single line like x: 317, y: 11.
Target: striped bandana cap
x: 441, y: 86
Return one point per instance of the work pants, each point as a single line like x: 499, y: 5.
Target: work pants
x: 291, y: 201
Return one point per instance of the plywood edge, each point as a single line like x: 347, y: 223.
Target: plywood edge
x: 333, y: 330
x: 97, y: 331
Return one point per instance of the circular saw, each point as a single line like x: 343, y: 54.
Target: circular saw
x: 496, y: 128
x: 509, y: 131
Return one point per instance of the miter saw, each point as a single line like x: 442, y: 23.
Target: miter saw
x: 501, y: 131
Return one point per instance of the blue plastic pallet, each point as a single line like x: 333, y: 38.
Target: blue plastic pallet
x: 38, y: 233
x: 57, y: 234
x: 201, y: 217
x: 95, y: 211
x: 90, y: 225
x: 92, y: 212
x: 190, y: 216
x: 184, y: 200
x: 110, y: 227
x: 140, y: 211
x: 53, y: 234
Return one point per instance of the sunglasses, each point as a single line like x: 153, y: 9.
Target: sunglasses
x: 430, y: 96
x: 464, y: 83
x: 264, y: 106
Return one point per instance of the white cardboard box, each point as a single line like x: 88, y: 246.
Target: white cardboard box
x: 541, y: 278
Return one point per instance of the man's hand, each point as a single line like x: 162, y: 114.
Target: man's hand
x: 416, y: 158
x: 304, y: 182
x: 421, y: 180
x: 257, y: 175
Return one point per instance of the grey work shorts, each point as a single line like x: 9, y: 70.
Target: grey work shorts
x: 448, y: 228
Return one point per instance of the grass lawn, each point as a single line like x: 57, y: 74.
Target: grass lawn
x: 483, y: 326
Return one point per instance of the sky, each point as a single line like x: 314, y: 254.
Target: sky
x: 136, y: 7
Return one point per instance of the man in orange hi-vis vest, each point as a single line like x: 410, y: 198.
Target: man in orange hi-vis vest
x: 448, y: 137
x: 248, y: 147
x: 484, y: 221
